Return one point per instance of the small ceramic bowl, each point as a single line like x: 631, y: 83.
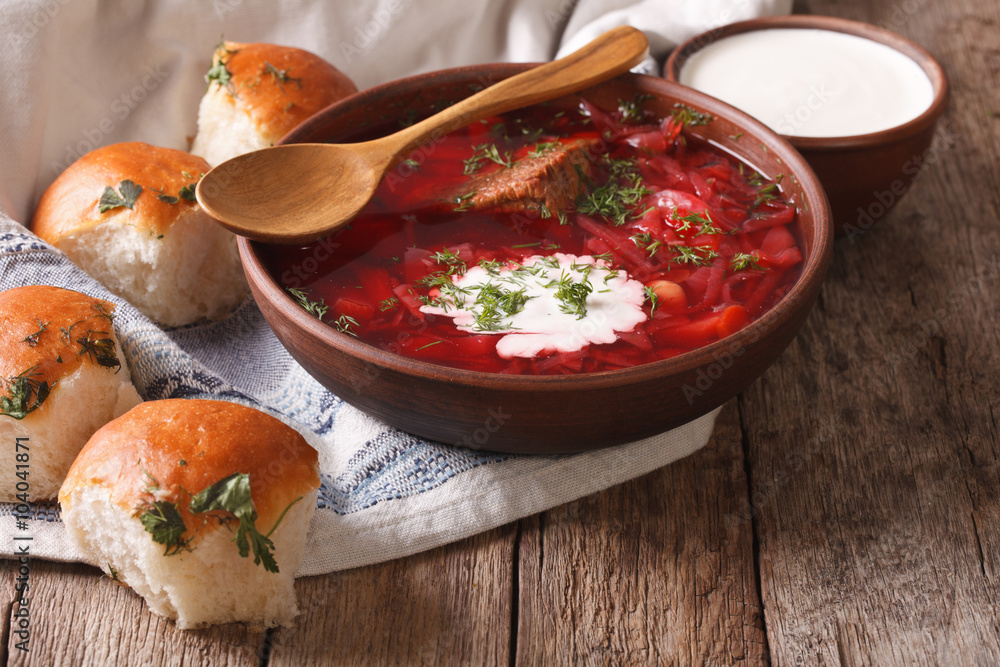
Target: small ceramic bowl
x: 864, y: 175
x: 548, y: 414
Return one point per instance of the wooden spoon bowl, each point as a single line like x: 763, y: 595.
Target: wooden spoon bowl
x: 545, y: 414
x: 298, y: 193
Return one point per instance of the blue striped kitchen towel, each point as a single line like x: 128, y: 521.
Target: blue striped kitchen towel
x: 384, y: 493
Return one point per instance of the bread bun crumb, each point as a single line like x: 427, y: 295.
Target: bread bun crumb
x: 160, y: 252
x: 257, y: 93
x: 169, y: 452
x: 64, y: 342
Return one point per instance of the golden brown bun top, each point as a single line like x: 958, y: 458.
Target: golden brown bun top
x: 192, y: 444
x: 70, y: 204
x: 48, y: 332
x: 280, y: 86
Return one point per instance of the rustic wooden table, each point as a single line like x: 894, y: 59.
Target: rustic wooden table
x: 846, y: 511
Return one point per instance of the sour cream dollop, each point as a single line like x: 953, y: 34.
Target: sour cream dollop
x: 812, y: 83
x: 560, y: 303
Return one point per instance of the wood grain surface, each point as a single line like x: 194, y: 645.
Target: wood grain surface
x: 655, y: 571
x: 845, y: 512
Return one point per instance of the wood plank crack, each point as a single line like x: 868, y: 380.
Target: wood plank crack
x: 754, y: 527
x: 515, y: 595
x: 979, y: 544
x: 8, y: 612
x: 264, y: 656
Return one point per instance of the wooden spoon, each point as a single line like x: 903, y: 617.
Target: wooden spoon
x: 298, y: 192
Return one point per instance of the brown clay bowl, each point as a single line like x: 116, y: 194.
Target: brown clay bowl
x: 547, y: 414
x: 864, y: 175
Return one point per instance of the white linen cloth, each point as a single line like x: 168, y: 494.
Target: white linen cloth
x: 79, y: 74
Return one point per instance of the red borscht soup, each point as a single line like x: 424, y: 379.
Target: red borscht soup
x: 555, y: 240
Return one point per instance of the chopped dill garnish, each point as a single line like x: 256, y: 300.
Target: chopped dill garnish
x: 766, y: 195
x: 388, y: 304
x: 484, y: 152
x: 26, y: 394
x: 66, y: 333
x: 463, y: 201
x: 494, y: 304
x: 629, y: 109
x: 218, y: 72
x: 491, y: 266
x: 409, y: 118
x: 743, y: 261
x: 686, y: 115
x: 573, y: 296
x: 528, y: 133
x: 439, y: 279
x: 32, y: 339
x: 646, y: 242
x: 694, y: 255
x: 703, y: 220
x: 654, y: 301
x: 617, y: 198
x: 315, y: 308
x: 620, y: 167
x: 281, y: 76
x: 542, y: 148
x: 100, y: 350
x: 344, y: 323
x: 451, y: 260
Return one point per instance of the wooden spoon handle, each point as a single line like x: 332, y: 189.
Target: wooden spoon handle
x: 612, y: 53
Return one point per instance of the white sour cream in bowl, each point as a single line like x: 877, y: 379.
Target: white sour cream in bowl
x: 805, y: 82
